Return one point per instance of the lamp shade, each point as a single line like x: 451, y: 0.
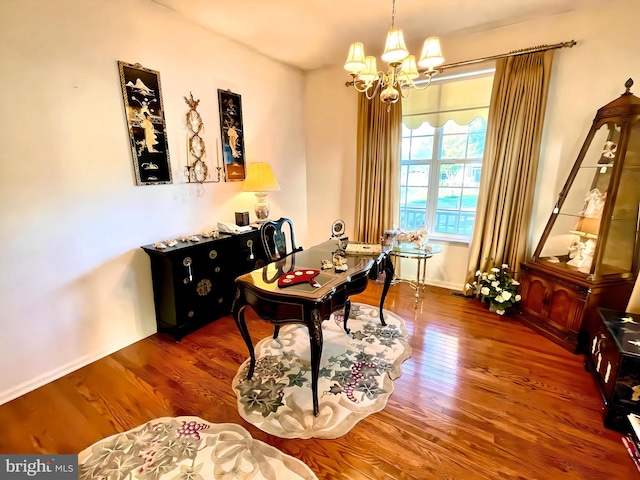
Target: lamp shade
x: 409, y: 70
x: 260, y: 178
x: 369, y: 74
x: 431, y: 53
x: 355, y: 61
x: 395, y: 49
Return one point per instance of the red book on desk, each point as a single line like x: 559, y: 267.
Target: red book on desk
x: 298, y: 276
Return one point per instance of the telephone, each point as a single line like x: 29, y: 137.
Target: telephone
x: 228, y: 227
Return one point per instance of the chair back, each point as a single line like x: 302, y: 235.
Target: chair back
x: 278, y: 238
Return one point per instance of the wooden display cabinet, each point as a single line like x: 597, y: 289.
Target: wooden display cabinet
x: 558, y: 306
x: 588, y: 253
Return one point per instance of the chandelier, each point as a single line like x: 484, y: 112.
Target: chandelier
x: 402, y: 71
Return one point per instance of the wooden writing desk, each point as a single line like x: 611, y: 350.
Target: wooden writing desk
x: 304, y: 303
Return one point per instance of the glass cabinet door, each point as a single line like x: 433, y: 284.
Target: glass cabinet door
x: 593, y: 232
x: 620, y: 249
x: 573, y: 238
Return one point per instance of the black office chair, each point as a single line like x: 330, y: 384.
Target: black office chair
x: 278, y: 240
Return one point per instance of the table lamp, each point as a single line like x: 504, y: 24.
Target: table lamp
x: 260, y: 180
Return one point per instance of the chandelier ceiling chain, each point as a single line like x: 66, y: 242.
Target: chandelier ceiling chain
x: 402, y: 71
x: 393, y: 14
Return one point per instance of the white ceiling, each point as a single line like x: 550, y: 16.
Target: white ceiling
x: 310, y: 34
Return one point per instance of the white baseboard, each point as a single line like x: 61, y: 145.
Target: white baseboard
x: 447, y: 285
x: 39, y: 381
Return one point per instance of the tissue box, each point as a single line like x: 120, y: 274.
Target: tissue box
x: 242, y: 219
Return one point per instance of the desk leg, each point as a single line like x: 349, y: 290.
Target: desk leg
x: 347, y: 311
x: 424, y: 272
x: 314, y: 324
x: 389, y: 272
x: 418, y: 272
x: 237, y: 310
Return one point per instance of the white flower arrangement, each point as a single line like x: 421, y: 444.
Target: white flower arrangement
x: 496, y: 287
x: 416, y: 237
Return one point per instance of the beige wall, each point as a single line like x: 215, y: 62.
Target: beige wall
x: 331, y: 116
x: 584, y: 78
x: 75, y: 285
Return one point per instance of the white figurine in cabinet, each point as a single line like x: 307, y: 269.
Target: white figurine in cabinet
x: 581, y: 254
x: 594, y: 203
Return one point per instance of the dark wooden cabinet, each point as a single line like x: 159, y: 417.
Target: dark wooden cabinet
x: 552, y: 303
x: 614, y: 359
x: 194, y: 282
x: 589, y: 252
x: 559, y: 307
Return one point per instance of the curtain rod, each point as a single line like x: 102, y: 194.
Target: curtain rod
x: 539, y: 48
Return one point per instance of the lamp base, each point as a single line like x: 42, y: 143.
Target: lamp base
x: 262, y: 207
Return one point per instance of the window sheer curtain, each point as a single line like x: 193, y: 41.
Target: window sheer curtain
x: 378, y: 168
x: 510, y: 162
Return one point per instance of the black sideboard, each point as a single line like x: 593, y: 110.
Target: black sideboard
x: 614, y: 360
x: 194, y: 282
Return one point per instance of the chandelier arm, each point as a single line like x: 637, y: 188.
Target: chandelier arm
x: 375, y: 90
x: 426, y: 85
x: 360, y: 89
x: 404, y: 89
x: 406, y: 83
x: 368, y: 88
x: 364, y: 86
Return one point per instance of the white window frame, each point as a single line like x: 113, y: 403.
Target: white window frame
x: 434, y: 180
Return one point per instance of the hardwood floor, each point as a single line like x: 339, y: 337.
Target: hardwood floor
x: 482, y: 397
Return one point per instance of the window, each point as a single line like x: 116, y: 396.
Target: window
x: 440, y: 168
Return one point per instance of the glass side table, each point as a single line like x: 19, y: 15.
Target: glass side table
x: 420, y: 255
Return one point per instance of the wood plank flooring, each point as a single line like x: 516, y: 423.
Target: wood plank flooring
x: 482, y: 397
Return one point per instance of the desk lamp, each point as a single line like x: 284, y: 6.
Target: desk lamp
x: 260, y: 180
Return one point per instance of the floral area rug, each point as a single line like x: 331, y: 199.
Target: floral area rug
x: 355, y: 380
x: 187, y: 448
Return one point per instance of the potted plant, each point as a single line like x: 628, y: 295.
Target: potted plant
x: 497, y: 288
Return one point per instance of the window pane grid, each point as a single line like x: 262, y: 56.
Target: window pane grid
x: 456, y: 151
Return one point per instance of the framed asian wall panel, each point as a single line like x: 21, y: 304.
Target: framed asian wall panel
x: 142, y: 97
x: 232, y: 133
